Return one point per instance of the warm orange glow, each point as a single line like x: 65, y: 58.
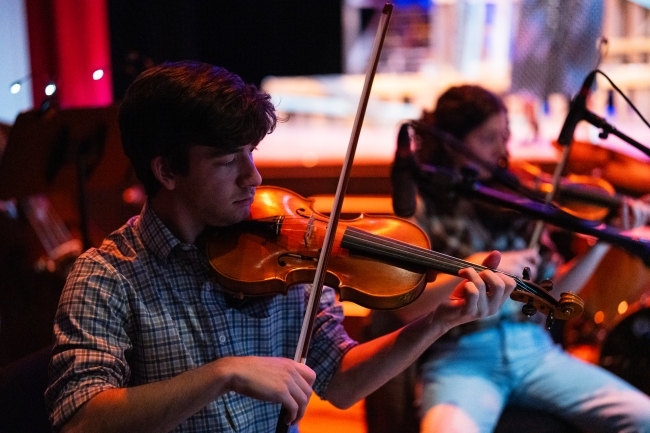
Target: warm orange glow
x: 309, y: 159
x: 350, y: 309
x: 599, y: 317
x: 372, y: 204
x: 134, y: 195
x: 622, y: 307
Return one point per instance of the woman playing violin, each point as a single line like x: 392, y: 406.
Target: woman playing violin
x: 470, y: 374
x: 147, y: 340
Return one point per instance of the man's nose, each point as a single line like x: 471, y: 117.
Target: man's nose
x: 250, y: 175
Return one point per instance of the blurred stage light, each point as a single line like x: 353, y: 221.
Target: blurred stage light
x: 50, y: 89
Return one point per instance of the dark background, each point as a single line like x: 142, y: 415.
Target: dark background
x: 252, y: 38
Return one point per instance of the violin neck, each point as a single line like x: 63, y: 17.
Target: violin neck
x: 380, y: 247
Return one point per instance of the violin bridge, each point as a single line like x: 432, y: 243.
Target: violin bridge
x: 309, y: 231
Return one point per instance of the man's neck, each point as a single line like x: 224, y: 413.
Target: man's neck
x: 176, y: 217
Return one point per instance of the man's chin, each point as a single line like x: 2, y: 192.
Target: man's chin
x: 236, y: 217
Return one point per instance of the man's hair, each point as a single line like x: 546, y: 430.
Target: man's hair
x: 174, y: 106
x: 458, y: 111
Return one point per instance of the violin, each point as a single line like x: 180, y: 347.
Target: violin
x: 376, y: 262
x: 586, y: 197
x: 627, y: 173
x: 582, y: 196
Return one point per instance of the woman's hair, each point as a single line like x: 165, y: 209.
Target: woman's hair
x: 174, y: 106
x: 458, y: 111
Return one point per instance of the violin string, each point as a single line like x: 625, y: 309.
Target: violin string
x: 422, y: 256
x: 397, y: 248
x: 402, y: 250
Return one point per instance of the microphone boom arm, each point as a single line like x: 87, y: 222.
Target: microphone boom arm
x: 607, y: 129
x: 551, y: 214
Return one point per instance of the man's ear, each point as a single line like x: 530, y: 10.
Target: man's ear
x: 162, y: 171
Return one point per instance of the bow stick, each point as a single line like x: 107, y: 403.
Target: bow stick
x: 321, y: 269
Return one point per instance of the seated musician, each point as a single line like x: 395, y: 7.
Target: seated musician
x: 469, y: 375
x: 146, y: 340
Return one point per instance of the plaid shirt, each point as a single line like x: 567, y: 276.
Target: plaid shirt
x: 143, y: 308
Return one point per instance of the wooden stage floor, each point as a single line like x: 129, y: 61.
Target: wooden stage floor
x: 322, y: 417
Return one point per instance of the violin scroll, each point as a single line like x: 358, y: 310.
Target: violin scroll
x: 571, y: 305
x: 538, y: 298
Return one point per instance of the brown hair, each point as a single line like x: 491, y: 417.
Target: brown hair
x: 458, y: 111
x: 174, y: 106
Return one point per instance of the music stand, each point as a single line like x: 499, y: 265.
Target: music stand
x: 74, y: 150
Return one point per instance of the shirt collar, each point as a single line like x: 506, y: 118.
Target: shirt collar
x: 155, y: 235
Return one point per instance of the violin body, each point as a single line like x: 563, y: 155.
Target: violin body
x: 586, y: 197
x: 258, y: 256
x: 376, y: 262
x: 626, y: 173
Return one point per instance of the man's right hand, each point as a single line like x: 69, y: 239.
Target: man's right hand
x: 278, y: 380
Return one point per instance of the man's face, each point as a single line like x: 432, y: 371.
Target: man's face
x: 219, y: 188
x: 488, y: 141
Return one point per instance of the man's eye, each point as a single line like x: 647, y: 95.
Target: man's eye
x: 226, y: 163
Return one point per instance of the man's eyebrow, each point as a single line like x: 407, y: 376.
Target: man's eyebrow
x: 216, y: 152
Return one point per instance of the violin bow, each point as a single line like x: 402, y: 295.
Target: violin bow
x: 321, y: 269
x: 550, y: 196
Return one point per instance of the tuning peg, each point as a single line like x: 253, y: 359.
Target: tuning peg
x: 549, y: 320
x: 547, y: 285
x: 529, y: 309
x: 526, y: 273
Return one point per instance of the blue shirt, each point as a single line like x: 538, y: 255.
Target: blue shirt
x: 143, y: 307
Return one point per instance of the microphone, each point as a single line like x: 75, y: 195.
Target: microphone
x: 402, y: 175
x: 577, y: 111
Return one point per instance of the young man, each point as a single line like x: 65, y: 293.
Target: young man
x: 146, y: 340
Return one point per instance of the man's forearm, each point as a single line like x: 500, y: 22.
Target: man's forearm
x: 368, y: 366
x: 154, y: 407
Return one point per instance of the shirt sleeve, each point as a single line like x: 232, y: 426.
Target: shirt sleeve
x: 90, y: 340
x: 330, y: 342
x: 551, y: 258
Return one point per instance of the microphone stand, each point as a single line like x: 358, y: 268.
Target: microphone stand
x: 607, y: 129
x: 575, y: 115
x: 566, y: 139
